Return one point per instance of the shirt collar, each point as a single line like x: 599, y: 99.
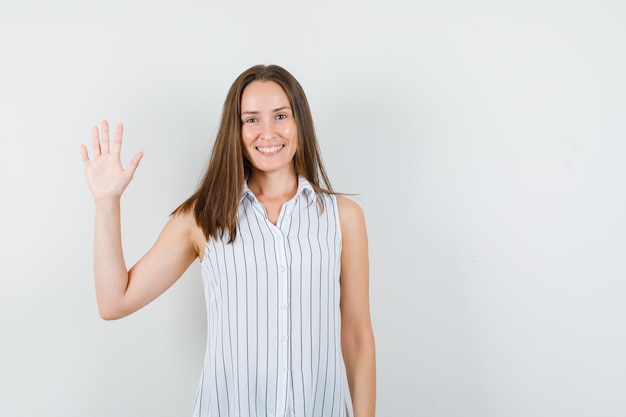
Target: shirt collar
x: 304, y: 187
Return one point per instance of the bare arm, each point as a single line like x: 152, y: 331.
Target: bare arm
x: 121, y: 291
x: 357, y: 337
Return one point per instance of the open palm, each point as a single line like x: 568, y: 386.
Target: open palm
x: 105, y: 175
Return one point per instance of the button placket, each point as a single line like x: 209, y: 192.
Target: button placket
x: 283, y: 314
x: 283, y: 275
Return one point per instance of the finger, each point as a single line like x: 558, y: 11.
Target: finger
x: 104, y: 142
x: 85, y: 154
x: 95, y: 138
x: 133, y: 164
x: 117, y: 139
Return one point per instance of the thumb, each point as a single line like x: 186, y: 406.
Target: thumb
x: 134, y: 163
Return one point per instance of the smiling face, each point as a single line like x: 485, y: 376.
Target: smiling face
x: 268, y: 131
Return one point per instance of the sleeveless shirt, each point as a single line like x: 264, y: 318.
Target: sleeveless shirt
x: 273, y: 320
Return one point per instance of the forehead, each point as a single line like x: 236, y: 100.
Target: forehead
x: 260, y: 95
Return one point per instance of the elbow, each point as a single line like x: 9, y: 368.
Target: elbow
x: 358, y: 342
x: 110, y: 314
x: 110, y: 308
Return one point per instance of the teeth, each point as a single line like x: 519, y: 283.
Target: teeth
x: 270, y: 150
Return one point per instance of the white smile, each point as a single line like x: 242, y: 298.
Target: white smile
x: 270, y: 150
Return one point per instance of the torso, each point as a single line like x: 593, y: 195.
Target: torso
x: 273, y: 339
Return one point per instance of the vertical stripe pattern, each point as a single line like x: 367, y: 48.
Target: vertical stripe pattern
x: 273, y: 321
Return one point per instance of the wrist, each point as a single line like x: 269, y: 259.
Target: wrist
x: 107, y: 202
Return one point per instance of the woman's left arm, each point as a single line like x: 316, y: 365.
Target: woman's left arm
x: 357, y: 337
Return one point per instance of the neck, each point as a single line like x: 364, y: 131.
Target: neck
x: 273, y: 185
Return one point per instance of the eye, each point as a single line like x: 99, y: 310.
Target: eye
x: 281, y: 116
x: 250, y: 120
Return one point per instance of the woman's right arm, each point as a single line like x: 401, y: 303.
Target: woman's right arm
x: 121, y: 291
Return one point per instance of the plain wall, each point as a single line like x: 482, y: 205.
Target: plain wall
x: 486, y: 141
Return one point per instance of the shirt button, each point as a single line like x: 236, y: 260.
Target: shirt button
x: 283, y: 268
x: 283, y: 369
x: 283, y: 338
x: 283, y: 306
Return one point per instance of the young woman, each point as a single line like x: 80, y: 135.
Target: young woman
x: 283, y: 258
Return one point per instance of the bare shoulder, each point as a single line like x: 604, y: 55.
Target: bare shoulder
x: 351, y: 217
x: 348, y: 205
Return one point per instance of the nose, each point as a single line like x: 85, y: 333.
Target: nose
x: 267, y: 131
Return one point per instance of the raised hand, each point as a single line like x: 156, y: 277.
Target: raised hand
x: 105, y: 175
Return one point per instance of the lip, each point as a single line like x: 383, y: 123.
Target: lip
x: 269, y: 150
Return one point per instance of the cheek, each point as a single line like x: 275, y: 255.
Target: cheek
x: 291, y: 131
x: 245, y: 143
x: 246, y: 137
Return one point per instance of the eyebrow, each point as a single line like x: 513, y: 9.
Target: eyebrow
x: 273, y: 111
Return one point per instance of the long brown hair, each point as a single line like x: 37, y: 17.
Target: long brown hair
x: 215, y: 203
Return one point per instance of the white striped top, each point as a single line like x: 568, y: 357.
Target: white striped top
x: 272, y: 298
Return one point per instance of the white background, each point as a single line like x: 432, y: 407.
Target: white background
x: 486, y: 141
